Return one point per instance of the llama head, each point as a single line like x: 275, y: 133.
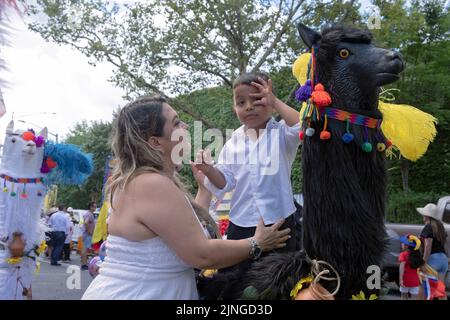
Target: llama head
x: 350, y: 67
x: 23, y: 153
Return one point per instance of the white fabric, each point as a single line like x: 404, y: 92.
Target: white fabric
x: 259, y: 172
x: 142, y: 270
x: 411, y: 290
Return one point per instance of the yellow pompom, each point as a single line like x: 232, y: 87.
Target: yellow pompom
x: 409, y: 129
x: 300, y: 67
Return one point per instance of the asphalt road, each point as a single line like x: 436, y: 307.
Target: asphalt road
x: 68, y: 282
x: 65, y: 282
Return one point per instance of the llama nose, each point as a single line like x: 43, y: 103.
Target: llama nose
x: 397, y: 58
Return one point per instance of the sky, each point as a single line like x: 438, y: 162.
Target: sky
x: 50, y: 85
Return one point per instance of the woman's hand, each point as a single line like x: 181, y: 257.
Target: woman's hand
x: 270, y: 238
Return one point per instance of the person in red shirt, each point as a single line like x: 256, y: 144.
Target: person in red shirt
x: 410, y: 261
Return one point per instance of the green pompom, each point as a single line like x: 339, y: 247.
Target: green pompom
x: 13, y: 194
x: 250, y: 293
x: 367, y: 147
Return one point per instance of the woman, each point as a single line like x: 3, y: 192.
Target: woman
x: 435, y: 237
x: 156, y: 236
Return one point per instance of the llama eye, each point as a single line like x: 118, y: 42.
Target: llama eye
x: 344, y: 53
x: 13, y: 140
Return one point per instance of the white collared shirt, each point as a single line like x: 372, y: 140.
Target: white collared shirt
x: 259, y: 172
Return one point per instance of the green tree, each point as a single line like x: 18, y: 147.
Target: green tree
x: 176, y: 46
x: 92, y: 138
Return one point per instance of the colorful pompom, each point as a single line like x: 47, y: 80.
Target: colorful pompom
x: 381, y: 146
x: 366, y: 147
x: 320, y: 97
x: 13, y: 194
x: 301, y: 135
x: 310, y: 132
x: 24, y: 195
x: 51, y: 163
x: 28, y: 136
x: 45, y: 168
x: 39, y: 141
x: 304, y: 92
x: 5, y: 189
x: 347, y: 137
x: 325, y: 135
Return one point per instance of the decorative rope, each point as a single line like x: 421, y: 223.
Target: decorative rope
x: 319, y: 275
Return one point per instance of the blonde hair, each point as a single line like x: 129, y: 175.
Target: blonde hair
x: 133, y: 156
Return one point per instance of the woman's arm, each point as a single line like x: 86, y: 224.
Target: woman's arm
x: 427, y: 249
x: 164, y: 209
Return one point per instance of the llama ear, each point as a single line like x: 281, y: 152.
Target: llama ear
x: 309, y: 36
x: 10, y: 127
x: 44, y: 133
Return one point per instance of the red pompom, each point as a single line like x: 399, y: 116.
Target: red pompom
x: 28, y: 136
x: 51, y: 163
x: 301, y: 135
x: 325, y: 135
x: 388, y: 143
x: 320, y: 97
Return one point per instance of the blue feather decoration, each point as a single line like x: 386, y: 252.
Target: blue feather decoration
x: 74, y: 166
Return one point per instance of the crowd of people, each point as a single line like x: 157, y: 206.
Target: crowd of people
x: 62, y: 224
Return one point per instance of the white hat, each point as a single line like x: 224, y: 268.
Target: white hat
x: 69, y: 209
x: 431, y: 210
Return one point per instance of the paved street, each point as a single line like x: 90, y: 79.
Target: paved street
x: 52, y: 281
x: 55, y: 282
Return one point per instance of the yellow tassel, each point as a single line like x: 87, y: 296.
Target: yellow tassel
x: 409, y: 129
x: 300, y: 67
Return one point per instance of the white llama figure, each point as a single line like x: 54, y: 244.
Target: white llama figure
x: 21, y: 197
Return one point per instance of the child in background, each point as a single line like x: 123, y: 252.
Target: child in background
x: 410, y: 262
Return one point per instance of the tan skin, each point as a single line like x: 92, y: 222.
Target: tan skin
x: 165, y: 212
x: 253, y: 105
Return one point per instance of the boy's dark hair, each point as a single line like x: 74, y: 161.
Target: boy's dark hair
x: 90, y: 204
x: 415, y: 258
x: 249, y: 77
x: 61, y: 207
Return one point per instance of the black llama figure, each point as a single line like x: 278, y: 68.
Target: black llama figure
x: 344, y: 186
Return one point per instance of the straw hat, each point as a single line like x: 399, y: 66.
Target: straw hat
x: 52, y: 210
x: 431, y: 210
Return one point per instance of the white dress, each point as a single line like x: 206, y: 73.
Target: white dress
x: 142, y: 270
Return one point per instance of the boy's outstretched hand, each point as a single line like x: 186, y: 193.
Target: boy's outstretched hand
x: 265, y: 96
x: 203, y: 161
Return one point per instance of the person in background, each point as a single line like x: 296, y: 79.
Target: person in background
x: 67, y: 243
x: 60, y: 226
x: 410, y: 261
x: 88, y: 230
x: 435, y: 238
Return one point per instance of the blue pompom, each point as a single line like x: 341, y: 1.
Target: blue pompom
x: 347, y: 137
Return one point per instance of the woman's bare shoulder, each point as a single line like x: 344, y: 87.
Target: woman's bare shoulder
x: 152, y: 185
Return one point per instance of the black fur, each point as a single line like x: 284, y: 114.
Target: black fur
x: 344, y: 187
